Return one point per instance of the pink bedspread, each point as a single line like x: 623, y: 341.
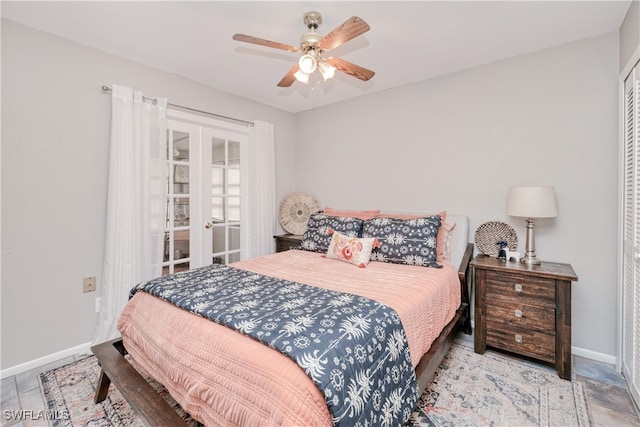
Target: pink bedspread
x: 222, y: 377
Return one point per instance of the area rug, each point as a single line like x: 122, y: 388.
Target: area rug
x: 495, y: 390
x: 468, y: 390
x: 69, y: 391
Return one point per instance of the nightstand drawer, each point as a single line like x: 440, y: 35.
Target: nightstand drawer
x: 520, y: 288
x: 522, y: 341
x: 537, y: 318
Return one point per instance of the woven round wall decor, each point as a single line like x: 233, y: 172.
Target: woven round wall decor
x: 295, y: 210
x: 490, y: 233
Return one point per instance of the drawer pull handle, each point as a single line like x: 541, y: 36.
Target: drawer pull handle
x: 518, y: 287
x: 519, y: 338
x: 518, y: 313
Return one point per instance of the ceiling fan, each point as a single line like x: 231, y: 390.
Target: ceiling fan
x: 313, y: 46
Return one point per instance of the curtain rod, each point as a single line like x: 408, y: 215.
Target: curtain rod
x: 106, y: 88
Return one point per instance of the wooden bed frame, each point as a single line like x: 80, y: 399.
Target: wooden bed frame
x: 153, y: 410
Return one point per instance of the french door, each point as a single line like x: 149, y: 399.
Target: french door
x: 631, y: 235
x: 206, y: 193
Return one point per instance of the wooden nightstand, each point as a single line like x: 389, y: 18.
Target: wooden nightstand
x: 284, y: 242
x: 524, y: 309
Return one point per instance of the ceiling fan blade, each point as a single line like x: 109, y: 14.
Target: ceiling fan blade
x: 351, y: 28
x: 255, y: 40
x: 289, y: 78
x: 350, y: 68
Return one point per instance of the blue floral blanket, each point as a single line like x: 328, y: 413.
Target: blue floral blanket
x: 353, y: 348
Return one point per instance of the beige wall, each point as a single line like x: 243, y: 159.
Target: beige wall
x: 458, y: 142
x: 55, y: 136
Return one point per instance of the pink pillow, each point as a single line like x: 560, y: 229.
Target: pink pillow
x: 443, y: 240
x: 363, y: 215
x: 354, y: 250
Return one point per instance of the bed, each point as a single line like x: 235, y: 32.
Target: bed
x: 223, y: 377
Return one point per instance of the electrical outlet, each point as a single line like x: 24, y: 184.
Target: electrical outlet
x: 89, y: 284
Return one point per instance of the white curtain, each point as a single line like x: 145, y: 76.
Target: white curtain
x: 136, y: 202
x: 262, y: 189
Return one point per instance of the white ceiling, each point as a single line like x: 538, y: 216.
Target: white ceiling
x: 408, y: 41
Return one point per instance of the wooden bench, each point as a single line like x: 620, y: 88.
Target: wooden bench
x: 150, y: 407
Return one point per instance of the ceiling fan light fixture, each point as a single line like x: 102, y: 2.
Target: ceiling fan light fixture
x: 307, y: 63
x: 313, y: 45
x: 327, y: 71
x: 301, y: 76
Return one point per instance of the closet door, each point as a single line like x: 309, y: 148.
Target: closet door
x: 631, y: 235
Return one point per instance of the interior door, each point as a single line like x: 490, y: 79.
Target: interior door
x: 181, y: 234
x: 225, y: 196
x: 206, y: 193
x: 631, y: 236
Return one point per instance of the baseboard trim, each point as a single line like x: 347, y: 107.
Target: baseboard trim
x: 594, y: 355
x: 24, y: 367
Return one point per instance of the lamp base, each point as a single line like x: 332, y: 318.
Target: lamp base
x: 529, y: 257
x: 530, y: 260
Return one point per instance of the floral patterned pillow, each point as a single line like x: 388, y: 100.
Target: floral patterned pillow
x: 317, y: 237
x: 405, y: 241
x: 354, y: 250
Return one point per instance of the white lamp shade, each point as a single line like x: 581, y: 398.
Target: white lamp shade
x: 301, y: 76
x: 307, y: 63
x: 532, y: 202
x: 327, y: 71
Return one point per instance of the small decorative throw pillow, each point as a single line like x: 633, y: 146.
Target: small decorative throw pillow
x: 405, y: 241
x: 354, y: 250
x: 317, y: 238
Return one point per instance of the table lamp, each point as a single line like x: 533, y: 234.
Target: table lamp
x: 531, y: 203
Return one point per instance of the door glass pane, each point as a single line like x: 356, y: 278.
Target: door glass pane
x: 180, y: 146
x: 234, y: 237
x: 181, y: 179
x: 217, y: 209
x: 217, y: 151
x: 178, y: 267
x: 183, y: 266
x: 234, y: 208
x: 218, y: 237
x: 181, y: 244
x: 234, y: 181
x: 217, y: 180
x: 234, y: 153
x: 181, y: 212
x: 235, y: 257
